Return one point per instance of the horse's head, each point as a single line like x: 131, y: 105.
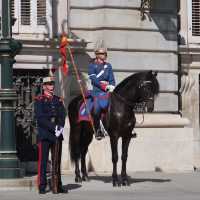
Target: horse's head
x: 147, y: 88
x: 139, y: 87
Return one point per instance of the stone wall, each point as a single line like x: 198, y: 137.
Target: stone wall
x: 133, y: 44
x: 189, y: 52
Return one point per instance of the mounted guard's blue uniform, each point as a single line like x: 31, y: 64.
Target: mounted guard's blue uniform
x: 99, y: 73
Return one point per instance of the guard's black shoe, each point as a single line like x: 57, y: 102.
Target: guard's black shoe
x: 62, y: 190
x: 99, y: 135
x: 42, y: 191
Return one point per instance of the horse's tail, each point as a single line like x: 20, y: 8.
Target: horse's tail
x: 75, y: 129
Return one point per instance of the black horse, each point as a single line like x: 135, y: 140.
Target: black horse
x: 119, y: 121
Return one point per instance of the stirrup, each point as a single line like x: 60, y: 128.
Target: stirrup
x: 103, y: 130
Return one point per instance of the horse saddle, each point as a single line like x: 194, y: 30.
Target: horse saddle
x: 98, y: 103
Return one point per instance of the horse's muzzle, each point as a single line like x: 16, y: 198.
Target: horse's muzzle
x: 149, y: 105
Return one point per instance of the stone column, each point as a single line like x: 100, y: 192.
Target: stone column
x: 9, y: 163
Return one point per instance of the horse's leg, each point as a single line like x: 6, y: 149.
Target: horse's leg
x: 77, y: 172
x: 125, y: 145
x: 83, y: 165
x: 114, y: 142
x: 77, y: 153
x: 86, y: 140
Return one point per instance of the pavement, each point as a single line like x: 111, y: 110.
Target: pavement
x: 144, y: 185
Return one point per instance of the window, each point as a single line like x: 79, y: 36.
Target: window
x: 0, y: 19
x: 33, y: 16
x: 25, y: 14
x: 194, y: 21
x: 41, y: 12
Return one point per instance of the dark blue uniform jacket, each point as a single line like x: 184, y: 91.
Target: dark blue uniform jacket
x: 49, y: 112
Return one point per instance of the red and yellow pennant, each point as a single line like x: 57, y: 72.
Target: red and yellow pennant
x: 63, y: 51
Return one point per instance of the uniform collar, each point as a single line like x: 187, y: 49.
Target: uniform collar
x: 49, y: 97
x: 98, y: 63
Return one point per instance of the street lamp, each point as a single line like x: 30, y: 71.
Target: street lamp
x: 9, y: 163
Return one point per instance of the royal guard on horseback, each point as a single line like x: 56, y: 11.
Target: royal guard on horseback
x: 119, y: 120
x: 102, y: 79
x: 50, y: 116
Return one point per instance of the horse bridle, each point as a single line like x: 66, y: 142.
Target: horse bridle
x: 143, y: 83
x: 132, y: 105
x: 129, y: 103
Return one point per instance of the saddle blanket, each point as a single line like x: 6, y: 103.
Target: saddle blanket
x: 84, y: 110
x: 93, y: 103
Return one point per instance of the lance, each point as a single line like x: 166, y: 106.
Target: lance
x: 64, y: 43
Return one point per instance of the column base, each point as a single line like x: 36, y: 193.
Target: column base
x: 10, y: 173
x: 10, y: 167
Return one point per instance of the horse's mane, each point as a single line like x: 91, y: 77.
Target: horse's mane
x: 132, y: 78
x: 137, y: 77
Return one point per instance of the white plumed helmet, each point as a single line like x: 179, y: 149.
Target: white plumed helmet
x: 100, y: 47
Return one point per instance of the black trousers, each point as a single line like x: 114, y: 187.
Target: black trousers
x: 43, y: 153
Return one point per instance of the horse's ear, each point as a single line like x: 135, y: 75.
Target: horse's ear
x: 155, y: 73
x: 150, y: 72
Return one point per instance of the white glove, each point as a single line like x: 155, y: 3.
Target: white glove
x: 110, y: 88
x: 58, y: 131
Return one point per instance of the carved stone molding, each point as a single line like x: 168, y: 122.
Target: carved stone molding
x: 145, y: 8
x: 187, y: 83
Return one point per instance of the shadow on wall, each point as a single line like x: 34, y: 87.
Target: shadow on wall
x: 164, y: 14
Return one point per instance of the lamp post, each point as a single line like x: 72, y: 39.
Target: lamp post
x: 9, y: 163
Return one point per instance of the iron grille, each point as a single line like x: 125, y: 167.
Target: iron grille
x: 28, y: 85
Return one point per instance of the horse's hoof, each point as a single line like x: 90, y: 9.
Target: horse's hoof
x: 85, y: 178
x: 116, y: 183
x: 78, y: 179
x: 134, y: 135
x: 125, y: 183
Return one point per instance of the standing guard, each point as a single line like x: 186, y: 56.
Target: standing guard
x: 50, y: 116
